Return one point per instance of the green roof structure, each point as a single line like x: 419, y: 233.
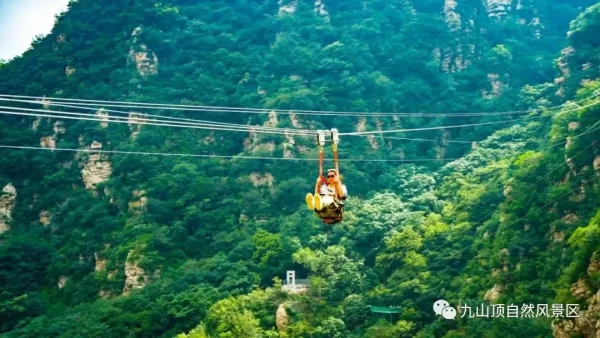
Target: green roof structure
x: 384, y: 309
x: 386, y: 312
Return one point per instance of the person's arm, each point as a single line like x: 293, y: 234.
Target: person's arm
x: 317, y: 186
x: 339, y: 190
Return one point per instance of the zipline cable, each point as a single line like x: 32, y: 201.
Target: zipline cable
x: 190, y: 121
x: 500, y: 227
x: 211, y: 156
x: 294, y: 112
x: 204, y: 121
x: 292, y: 131
x: 421, y: 139
x: 523, y: 192
x: 267, y: 110
x: 305, y: 133
x: 464, y: 125
x: 242, y: 128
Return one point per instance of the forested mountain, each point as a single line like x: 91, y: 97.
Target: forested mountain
x: 104, y: 243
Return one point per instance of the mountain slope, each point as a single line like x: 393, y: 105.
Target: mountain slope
x: 122, y: 245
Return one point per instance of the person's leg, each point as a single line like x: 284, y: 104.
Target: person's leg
x: 326, y: 201
x: 310, y: 201
x: 318, y: 202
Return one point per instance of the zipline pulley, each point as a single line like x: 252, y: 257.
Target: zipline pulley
x: 335, y: 136
x: 335, y: 140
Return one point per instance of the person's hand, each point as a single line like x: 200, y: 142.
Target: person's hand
x: 319, y: 180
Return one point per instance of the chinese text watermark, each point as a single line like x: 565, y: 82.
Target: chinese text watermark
x: 443, y: 308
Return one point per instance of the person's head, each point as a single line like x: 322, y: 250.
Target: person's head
x: 331, y: 174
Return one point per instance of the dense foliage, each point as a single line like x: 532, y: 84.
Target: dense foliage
x: 212, y: 241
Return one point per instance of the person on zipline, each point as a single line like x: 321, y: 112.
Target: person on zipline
x: 330, y: 193
x: 328, y: 200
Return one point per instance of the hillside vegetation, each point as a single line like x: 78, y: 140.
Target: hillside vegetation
x: 123, y: 245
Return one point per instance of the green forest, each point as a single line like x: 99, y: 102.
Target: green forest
x: 473, y: 177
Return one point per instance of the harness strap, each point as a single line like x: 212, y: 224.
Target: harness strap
x: 321, y: 164
x: 321, y: 143
x: 335, y: 159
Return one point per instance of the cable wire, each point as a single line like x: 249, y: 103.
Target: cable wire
x: 267, y: 110
x: 204, y: 121
x: 500, y: 227
x: 464, y: 125
x: 96, y: 118
x: 444, y: 127
x: 193, y: 121
x: 523, y: 192
x: 213, y: 156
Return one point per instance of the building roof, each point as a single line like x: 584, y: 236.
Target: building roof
x: 384, y: 309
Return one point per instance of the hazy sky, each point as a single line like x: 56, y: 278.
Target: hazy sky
x: 22, y: 20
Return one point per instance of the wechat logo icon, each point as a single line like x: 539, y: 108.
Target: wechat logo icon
x: 442, y: 307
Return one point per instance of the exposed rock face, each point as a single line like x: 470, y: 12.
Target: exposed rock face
x: 448, y: 54
x: 437, y: 58
x: 59, y: 128
x: 507, y: 190
x: 440, y: 152
x: 62, y: 281
x: 289, y: 8
x: 45, y: 217
x: 563, y: 66
x: 139, y: 202
x: 320, y: 9
x: 104, y: 294
x: 498, y: 8
x: 281, y: 318
x: 457, y: 59
x: 452, y: 18
x: 253, y: 142
x: 493, y: 293
x: 250, y: 140
x: 45, y: 103
x: 573, y: 126
x: 135, y: 277
x: 48, y: 142
x: 146, y: 64
x: 586, y: 324
x: 580, y: 289
x: 8, y: 199
x: 100, y: 263
x: 133, y: 121
x: 294, y: 120
x: 570, y: 219
x: 97, y: 169
x: 362, y: 126
x: 273, y: 121
x: 569, y: 142
x: 288, y: 145
x: 36, y: 123
x: 146, y: 61
x: 558, y: 236
x: 496, y: 85
x: 258, y: 180
x: 103, y: 116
